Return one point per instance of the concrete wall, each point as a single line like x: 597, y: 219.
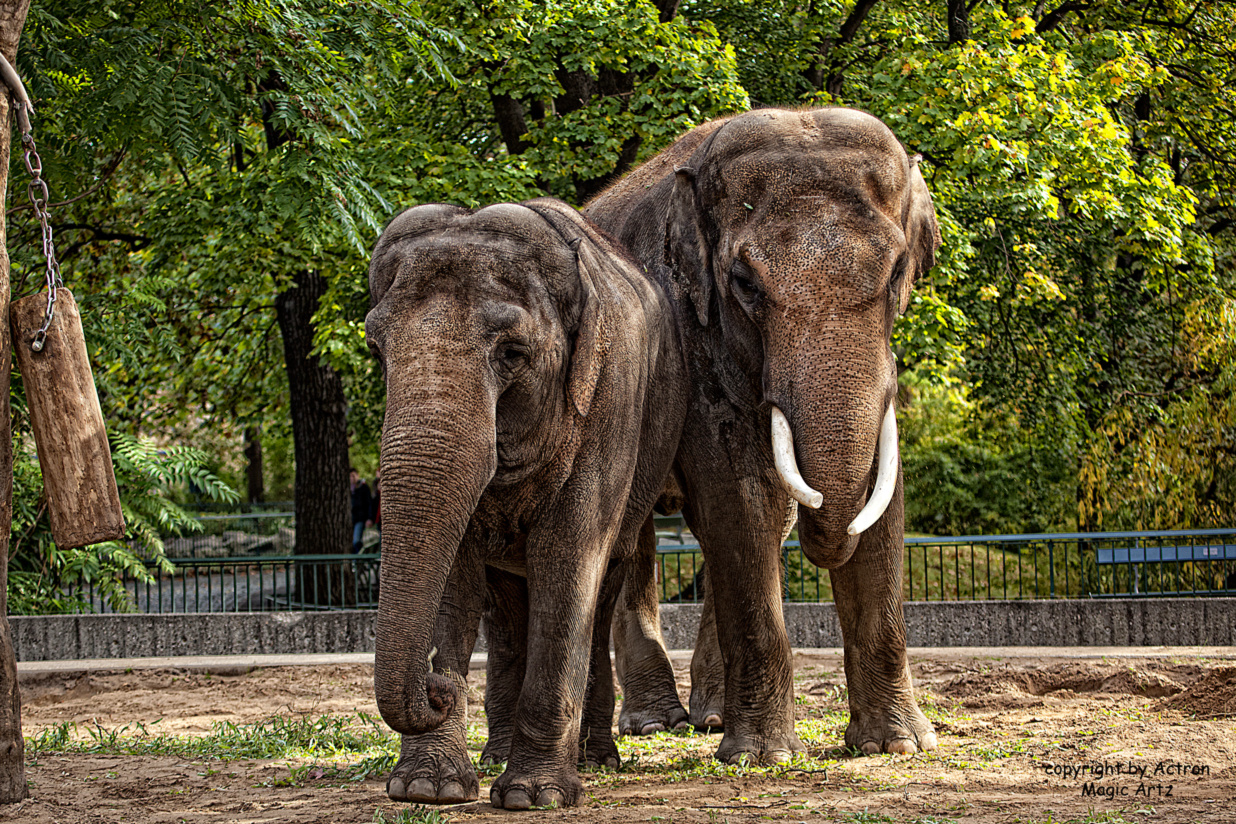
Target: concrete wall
x: 1112, y: 622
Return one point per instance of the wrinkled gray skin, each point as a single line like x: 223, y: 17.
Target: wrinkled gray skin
x: 531, y: 371
x: 788, y: 242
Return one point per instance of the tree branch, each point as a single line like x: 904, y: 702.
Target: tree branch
x: 1221, y: 226
x: 509, y: 113
x: 958, y: 22
x: 833, y: 79
x: 1056, y: 16
x: 136, y: 242
x: 109, y: 169
x: 666, y: 9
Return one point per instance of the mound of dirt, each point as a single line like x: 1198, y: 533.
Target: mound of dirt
x: 1212, y: 696
x: 1008, y: 686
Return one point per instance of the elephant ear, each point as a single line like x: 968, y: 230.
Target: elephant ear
x: 922, y: 236
x: 686, y: 249
x: 590, y: 338
x: 587, y: 353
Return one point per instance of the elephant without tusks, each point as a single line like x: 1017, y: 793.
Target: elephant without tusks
x: 788, y: 242
x: 534, y: 403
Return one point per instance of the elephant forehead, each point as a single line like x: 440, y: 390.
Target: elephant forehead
x: 848, y: 186
x: 485, y: 258
x: 836, y: 136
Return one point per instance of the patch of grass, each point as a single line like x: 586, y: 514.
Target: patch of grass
x: 826, y: 731
x: 416, y: 814
x: 326, y: 736
x: 1092, y: 816
x: 993, y: 750
x: 866, y: 817
x: 478, y: 734
x: 677, y: 756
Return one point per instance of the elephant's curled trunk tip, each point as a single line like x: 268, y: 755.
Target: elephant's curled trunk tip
x: 420, y: 712
x: 442, y: 696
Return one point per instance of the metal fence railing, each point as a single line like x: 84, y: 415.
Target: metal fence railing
x: 1011, y: 567
x: 252, y: 584
x: 974, y: 567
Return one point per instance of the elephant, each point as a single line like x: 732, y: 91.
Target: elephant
x: 788, y: 242
x: 535, y: 394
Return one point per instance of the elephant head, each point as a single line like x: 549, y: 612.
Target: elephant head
x: 797, y: 238
x: 488, y: 326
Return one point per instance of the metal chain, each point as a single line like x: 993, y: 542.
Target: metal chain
x: 39, y: 195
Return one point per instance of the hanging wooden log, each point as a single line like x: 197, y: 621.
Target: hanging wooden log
x: 82, y: 498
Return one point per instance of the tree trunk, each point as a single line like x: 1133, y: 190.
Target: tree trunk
x: 253, y: 467
x: 12, y: 750
x: 823, y: 74
x: 320, y: 432
x: 958, y: 22
x: 319, y: 424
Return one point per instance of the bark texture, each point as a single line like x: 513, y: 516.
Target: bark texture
x: 12, y: 751
x: 319, y: 425
x: 958, y: 21
x: 82, y: 500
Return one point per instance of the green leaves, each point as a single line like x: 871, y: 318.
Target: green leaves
x: 44, y: 578
x: 1080, y: 166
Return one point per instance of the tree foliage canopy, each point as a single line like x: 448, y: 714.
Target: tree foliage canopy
x: 1068, y: 363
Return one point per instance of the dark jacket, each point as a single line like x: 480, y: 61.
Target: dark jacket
x: 361, y: 502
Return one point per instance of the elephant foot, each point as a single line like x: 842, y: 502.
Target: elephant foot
x: 903, y: 730
x: 763, y: 750
x: 646, y: 717
x: 497, y: 749
x: 519, y: 790
x: 597, y: 749
x: 706, y: 711
x: 426, y: 777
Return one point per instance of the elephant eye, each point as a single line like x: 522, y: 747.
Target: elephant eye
x: 511, y: 357
x: 743, y: 281
x: 376, y: 351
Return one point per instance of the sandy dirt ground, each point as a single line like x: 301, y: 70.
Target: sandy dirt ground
x: 1021, y: 740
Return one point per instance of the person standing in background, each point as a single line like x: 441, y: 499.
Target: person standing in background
x: 361, y: 503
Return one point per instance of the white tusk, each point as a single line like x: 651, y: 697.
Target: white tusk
x: 886, y: 476
x: 787, y: 467
x: 432, y: 653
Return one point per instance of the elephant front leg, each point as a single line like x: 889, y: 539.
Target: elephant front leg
x: 434, y: 768
x: 741, y: 549
x: 884, y: 716
x: 541, y: 768
x: 649, y: 693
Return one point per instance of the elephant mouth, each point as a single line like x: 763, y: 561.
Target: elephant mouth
x: 801, y: 491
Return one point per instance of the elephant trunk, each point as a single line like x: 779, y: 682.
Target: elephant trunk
x: 437, y: 459
x: 834, y: 439
x: 801, y: 491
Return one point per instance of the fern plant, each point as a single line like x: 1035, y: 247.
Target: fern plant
x: 45, y: 579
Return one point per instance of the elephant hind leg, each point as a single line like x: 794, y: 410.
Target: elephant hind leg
x: 650, y: 701
x: 707, y: 671
x: 596, y: 733
x: 506, y: 634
